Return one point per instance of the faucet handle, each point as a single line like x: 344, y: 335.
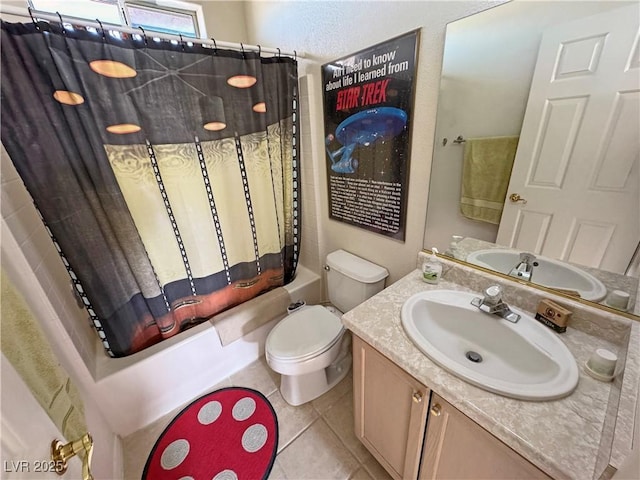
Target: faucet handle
x: 493, y: 295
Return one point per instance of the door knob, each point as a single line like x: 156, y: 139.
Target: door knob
x: 436, y: 410
x: 417, y: 396
x: 515, y: 198
x: 60, y: 454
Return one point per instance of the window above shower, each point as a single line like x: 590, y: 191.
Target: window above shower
x: 175, y: 17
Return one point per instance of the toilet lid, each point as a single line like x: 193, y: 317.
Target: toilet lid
x: 305, y: 333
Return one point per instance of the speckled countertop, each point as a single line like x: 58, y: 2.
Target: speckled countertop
x: 579, y: 436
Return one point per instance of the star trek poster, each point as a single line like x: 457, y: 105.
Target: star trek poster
x: 368, y: 103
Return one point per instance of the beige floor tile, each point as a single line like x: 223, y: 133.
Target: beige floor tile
x: 138, y: 445
x: 277, y: 473
x: 361, y: 474
x: 224, y: 383
x: 324, y: 402
x: 257, y: 376
x: 309, y: 446
x: 376, y: 470
x: 317, y: 454
x: 292, y: 421
x: 340, y: 419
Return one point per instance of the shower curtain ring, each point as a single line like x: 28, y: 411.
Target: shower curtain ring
x: 144, y: 35
x: 278, y: 52
x: 181, y: 41
x: 104, y: 36
x: 33, y: 19
x: 215, y: 45
x: 64, y: 30
x: 242, y: 48
x: 259, y: 50
x: 295, y: 55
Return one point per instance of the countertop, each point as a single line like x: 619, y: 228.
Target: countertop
x: 576, y: 437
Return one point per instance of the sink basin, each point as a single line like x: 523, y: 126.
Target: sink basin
x: 548, y: 273
x: 524, y: 360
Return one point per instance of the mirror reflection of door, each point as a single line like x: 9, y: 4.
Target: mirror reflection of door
x: 580, y: 140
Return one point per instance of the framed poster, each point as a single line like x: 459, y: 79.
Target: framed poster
x: 368, y: 104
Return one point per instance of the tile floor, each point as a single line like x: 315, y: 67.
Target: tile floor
x: 316, y: 439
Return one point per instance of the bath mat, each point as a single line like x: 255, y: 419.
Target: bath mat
x: 229, y: 434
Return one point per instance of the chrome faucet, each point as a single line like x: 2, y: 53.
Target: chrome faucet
x: 524, y: 269
x: 492, y: 303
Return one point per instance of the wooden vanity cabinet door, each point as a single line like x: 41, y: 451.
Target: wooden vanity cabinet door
x: 390, y: 410
x: 456, y: 447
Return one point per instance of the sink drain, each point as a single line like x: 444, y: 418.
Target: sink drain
x: 475, y: 357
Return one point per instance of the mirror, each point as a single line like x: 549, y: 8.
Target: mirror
x: 488, y: 76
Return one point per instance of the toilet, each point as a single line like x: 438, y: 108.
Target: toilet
x: 310, y: 347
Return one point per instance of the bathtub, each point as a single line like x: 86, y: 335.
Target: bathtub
x: 140, y: 388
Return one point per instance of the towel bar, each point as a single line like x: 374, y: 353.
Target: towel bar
x: 458, y: 140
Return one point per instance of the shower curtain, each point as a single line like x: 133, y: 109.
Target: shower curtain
x: 165, y: 172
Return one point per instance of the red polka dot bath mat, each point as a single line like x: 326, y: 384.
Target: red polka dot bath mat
x: 229, y: 434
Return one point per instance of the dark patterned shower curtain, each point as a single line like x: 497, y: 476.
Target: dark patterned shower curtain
x: 166, y: 172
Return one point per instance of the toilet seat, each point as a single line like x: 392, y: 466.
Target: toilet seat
x: 304, y: 334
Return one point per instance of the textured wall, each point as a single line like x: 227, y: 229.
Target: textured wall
x: 225, y: 20
x: 328, y: 30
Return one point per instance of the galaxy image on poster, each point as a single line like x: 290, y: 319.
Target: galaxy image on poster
x: 368, y: 102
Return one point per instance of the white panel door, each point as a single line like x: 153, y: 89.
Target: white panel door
x: 577, y: 164
x: 27, y: 433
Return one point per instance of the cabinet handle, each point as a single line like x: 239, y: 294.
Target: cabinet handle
x: 436, y: 410
x: 417, y: 397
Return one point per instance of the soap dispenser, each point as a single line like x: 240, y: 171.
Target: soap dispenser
x: 432, y: 268
x: 452, y: 251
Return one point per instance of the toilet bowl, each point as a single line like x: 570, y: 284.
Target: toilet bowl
x: 310, y: 348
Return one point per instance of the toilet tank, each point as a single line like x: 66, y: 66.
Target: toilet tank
x: 351, y: 279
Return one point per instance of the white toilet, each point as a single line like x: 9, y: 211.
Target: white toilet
x: 309, y: 347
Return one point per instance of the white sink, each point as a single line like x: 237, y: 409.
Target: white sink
x: 524, y: 360
x: 548, y: 273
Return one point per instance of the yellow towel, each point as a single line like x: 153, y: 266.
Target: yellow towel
x: 27, y: 348
x: 485, y: 176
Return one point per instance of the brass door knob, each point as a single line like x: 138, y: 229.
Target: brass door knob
x: 60, y: 454
x: 417, y: 397
x: 436, y: 410
x: 515, y: 198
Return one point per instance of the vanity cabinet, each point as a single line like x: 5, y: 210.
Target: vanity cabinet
x: 457, y: 447
x: 391, y: 415
x: 390, y: 411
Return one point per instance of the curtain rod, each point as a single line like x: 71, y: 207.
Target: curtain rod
x: 23, y: 12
